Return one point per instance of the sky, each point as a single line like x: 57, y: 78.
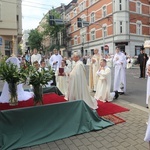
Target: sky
x: 34, y: 10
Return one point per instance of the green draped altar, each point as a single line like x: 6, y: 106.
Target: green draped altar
x: 40, y: 124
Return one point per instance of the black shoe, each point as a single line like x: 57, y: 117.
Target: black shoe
x: 147, y: 107
x: 116, y: 95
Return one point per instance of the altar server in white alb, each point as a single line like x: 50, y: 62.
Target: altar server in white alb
x: 36, y: 56
x: 62, y: 77
x: 119, y: 62
x: 94, y: 66
x: 78, y: 87
x: 55, y: 60
x: 104, y: 82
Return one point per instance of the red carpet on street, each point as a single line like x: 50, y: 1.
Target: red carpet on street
x: 109, y: 108
x: 104, y: 109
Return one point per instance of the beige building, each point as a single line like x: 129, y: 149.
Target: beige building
x: 10, y: 26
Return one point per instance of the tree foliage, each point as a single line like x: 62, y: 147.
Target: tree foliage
x: 52, y: 31
x: 35, y: 39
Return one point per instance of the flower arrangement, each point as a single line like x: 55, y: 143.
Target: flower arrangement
x: 13, y: 76
x: 38, y: 79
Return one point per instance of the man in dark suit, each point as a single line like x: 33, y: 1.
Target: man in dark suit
x: 142, y: 59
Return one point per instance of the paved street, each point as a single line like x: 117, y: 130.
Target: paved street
x: 125, y: 136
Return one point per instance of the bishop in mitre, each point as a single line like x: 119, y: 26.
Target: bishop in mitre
x: 94, y: 66
x: 78, y: 87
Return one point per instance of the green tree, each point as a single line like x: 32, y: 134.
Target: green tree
x: 35, y: 39
x: 53, y: 31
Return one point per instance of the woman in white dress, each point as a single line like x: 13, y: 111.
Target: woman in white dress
x: 62, y: 78
x: 22, y: 95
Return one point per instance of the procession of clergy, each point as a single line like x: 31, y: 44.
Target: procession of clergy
x: 73, y: 83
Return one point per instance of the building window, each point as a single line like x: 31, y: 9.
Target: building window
x: 139, y: 28
x: 92, y: 35
x: 82, y: 6
x: 75, y: 26
x: 121, y: 28
x: 137, y: 50
x: 92, y: 17
x: 7, y: 45
x: 127, y: 27
x: 0, y: 11
x: 114, y: 27
x: 104, y: 31
x: 91, y: 2
x: 68, y: 17
x: 83, y: 38
x: 104, y: 11
x: 120, y: 4
x: 138, y: 7
x: 74, y: 12
x: 75, y: 40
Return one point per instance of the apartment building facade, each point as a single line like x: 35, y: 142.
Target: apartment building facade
x: 10, y: 26
x: 123, y: 23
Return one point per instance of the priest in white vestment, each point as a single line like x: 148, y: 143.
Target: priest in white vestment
x: 104, y: 83
x: 94, y: 66
x: 35, y: 56
x: 22, y: 95
x: 78, y: 87
x: 119, y: 62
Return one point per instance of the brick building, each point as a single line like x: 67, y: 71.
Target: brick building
x: 124, y: 23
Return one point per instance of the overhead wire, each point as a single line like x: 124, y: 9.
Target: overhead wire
x: 38, y: 3
x: 28, y: 5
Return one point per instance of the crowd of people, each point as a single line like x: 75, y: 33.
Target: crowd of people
x: 70, y: 75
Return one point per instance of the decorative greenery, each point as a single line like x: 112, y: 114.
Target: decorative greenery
x: 11, y: 73
x: 37, y: 79
x: 13, y: 76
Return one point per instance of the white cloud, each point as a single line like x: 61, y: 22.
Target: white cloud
x: 33, y: 11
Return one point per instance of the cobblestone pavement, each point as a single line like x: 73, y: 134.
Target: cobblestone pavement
x: 124, y: 136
